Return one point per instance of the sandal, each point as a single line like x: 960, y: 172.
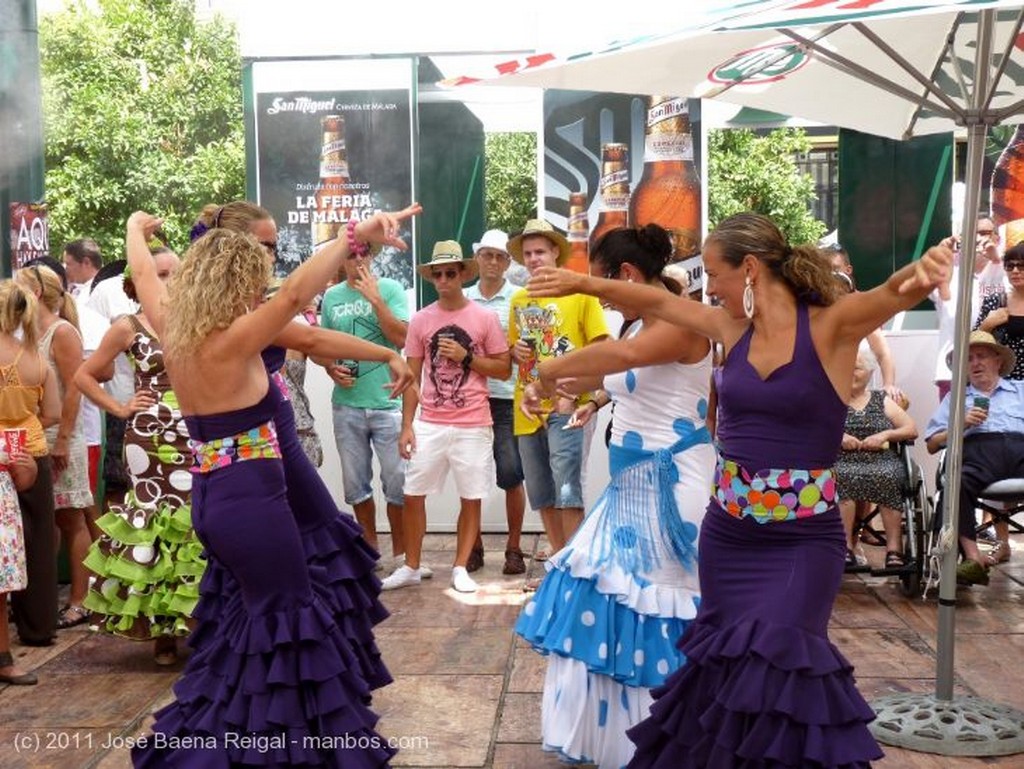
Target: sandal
x: 476, y: 560
x: 853, y: 564
x: 895, y: 559
x: 165, y: 650
x: 72, y: 615
x: 1000, y: 553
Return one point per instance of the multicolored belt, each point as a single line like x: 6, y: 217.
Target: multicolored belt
x: 773, y: 495
x: 258, y: 443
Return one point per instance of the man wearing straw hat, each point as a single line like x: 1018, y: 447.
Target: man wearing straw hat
x: 453, y: 346
x: 993, y: 439
x: 538, y: 329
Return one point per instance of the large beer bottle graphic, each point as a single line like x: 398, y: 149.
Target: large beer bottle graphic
x: 1008, y: 190
x: 333, y: 193
x: 577, y: 233
x: 669, y: 189
x: 614, y: 191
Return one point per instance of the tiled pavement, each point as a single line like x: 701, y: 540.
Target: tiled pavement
x: 467, y: 693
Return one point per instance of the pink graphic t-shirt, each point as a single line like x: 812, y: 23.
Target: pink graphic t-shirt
x: 450, y: 393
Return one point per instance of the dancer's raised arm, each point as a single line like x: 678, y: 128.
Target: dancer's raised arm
x: 637, y: 297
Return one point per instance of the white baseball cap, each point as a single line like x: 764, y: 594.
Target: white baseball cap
x: 495, y: 239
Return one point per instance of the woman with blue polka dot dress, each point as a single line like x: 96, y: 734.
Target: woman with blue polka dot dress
x: 619, y: 595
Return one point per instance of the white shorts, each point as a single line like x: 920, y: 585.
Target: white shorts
x: 466, y: 451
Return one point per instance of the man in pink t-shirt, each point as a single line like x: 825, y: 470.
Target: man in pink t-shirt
x: 452, y: 346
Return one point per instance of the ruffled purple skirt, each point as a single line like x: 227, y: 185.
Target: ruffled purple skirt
x: 341, y: 563
x: 762, y: 688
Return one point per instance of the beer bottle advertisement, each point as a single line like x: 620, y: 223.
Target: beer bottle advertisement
x: 613, y: 191
x: 668, y: 192
x: 578, y: 234
x: 327, y: 157
x: 1007, y: 190
x: 657, y: 153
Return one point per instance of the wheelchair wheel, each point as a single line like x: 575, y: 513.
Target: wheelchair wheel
x: 914, y: 510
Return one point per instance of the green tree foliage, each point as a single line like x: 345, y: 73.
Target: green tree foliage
x: 142, y: 109
x: 758, y: 173
x: 510, y: 171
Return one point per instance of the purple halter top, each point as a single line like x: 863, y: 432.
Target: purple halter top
x: 793, y: 419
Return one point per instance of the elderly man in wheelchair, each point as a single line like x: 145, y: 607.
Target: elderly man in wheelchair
x: 993, y: 441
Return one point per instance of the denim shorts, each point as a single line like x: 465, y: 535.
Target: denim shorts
x: 507, y: 464
x: 552, y: 460
x: 355, y: 429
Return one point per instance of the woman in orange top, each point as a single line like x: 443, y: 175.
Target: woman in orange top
x: 29, y: 401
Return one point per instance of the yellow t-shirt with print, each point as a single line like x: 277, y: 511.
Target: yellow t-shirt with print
x: 552, y: 327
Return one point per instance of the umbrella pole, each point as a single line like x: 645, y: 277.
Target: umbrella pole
x: 968, y: 726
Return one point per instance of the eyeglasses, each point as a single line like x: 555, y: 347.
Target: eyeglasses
x: 986, y: 233
x: 1014, y: 266
x: 271, y: 247
x: 492, y: 256
x: 449, y: 274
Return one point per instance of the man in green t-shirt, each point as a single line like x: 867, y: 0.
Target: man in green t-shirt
x: 366, y: 420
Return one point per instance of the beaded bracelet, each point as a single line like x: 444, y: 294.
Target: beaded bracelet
x: 354, y: 246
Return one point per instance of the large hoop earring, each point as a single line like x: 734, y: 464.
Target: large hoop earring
x: 748, y: 297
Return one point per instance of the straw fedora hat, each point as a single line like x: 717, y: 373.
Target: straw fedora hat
x: 542, y: 228
x: 1007, y: 358
x: 447, y: 253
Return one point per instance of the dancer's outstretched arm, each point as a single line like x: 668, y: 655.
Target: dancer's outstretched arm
x: 652, y: 301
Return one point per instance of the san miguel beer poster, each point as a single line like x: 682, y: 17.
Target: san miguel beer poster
x: 333, y: 142
x: 615, y: 160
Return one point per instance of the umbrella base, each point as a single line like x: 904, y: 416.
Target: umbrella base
x: 967, y: 726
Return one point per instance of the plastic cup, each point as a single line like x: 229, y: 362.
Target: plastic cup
x: 16, y: 438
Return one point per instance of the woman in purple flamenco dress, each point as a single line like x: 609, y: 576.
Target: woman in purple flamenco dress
x: 341, y: 562
x: 762, y: 686
x: 278, y: 683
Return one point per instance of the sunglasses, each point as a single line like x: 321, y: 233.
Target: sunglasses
x: 449, y: 274
x: 270, y: 246
x: 1014, y: 266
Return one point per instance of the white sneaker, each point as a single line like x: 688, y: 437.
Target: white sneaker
x: 462, y: 582
x: 425, y: 571
x: 403, y: 576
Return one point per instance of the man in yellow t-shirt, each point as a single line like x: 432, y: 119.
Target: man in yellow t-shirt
x: 540, y: 329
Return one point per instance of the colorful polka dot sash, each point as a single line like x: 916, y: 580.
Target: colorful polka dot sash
x: 773, y: 495
x: 258, y: 443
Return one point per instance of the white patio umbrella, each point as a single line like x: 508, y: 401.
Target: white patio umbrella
x: 895, y: 68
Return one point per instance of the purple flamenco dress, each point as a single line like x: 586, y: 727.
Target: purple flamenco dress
x: 341, y: 563
x: 277, y: 683
x: 763, y: 687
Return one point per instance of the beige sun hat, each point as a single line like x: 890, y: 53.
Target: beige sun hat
x: 542, y: 228
x: 447, y: 253
x: 1007, y: 357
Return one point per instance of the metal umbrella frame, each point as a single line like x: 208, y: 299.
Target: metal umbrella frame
x: 936, y: 723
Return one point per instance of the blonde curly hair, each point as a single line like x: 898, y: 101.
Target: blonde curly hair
x: 238, y: 215
x: 221, y: 275
x: 18, y: 311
